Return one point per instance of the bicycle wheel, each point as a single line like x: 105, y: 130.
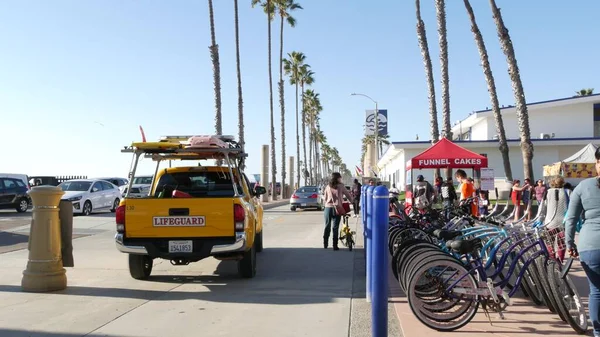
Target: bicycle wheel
x: 567, y: 298
x: 412, y: 262
x: 440, y: 274
x: 401, y: 260
x: 546, y: 292
x: 398, y: 252
x: 442, y: 309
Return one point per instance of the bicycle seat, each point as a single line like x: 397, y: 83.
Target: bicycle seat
x: 444, y: 234
x: 466, y: 246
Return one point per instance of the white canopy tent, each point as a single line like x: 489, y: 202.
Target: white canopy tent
x: 580, y: 165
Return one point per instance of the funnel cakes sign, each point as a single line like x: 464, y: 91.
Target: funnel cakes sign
x: 449, y: 162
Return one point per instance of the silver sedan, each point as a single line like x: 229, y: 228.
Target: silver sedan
x: 306, y: 197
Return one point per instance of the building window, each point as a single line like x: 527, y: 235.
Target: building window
x: 596, y: 120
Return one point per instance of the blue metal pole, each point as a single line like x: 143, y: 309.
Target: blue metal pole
x: 369, y: 242
x: 363, y: 214
x: 379, y: 252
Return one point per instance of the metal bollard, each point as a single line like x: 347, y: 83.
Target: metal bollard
x: 379, y: 272
x: 45, y: 270
x: 65, y: 214
x: 369, y: 241
x: 363, y: 215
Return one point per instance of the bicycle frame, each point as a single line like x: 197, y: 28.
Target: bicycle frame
x: 479, y: 269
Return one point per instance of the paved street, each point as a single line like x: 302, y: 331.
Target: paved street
x: 300, y: 288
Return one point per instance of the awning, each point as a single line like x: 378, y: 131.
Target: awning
x: 445, y: 154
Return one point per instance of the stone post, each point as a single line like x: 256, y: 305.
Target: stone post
x: 45, y: 270
x: 264, y: 174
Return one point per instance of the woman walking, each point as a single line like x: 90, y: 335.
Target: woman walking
x: 334, y: 197
x: 585, y: 200
x: 356, y: 191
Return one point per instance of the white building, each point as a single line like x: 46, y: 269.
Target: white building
x: 559, y: 128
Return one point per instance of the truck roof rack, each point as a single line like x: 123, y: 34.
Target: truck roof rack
x: 177, y: 148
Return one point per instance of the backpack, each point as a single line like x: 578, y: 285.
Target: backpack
x: 421, y: 200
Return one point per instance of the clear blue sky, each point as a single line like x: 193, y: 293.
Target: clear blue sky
x: 65, y: 65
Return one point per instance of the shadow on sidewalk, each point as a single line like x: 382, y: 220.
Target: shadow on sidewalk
x: 10, y: 239
x: 25, y: 333
x: 285, y: 276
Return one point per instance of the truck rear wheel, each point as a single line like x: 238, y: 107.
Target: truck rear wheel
x: 140, y: 266
x: 247, y: 265
x: 259, y: 241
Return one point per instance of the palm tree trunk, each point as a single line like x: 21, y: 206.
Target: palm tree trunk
x: 304, y: 132
x: 422, y: 36
x: 519, y: 94
x: 214, y: 55
x: 282, y: 105
x: 310, y: 158
x: 273, y: 159
x: 297, y: 141
x: 239, y: 79
x: 440, y: 7
x: 491, y: 84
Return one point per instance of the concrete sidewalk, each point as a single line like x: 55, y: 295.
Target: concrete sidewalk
x: 300, y: 289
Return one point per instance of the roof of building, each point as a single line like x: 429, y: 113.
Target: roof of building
x: 547, y: 101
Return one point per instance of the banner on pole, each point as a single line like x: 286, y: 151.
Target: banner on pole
x: 370, y: 122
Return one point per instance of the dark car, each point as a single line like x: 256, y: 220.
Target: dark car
x: 14, y: 194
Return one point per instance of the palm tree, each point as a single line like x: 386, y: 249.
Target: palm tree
x: 292, y: 66
x: 239, y: 78
x: 283, y: 7
x: 312, y: 108
x: 422, y: 36
x: 214, y: 56
x: 269, y: 9
x: 440, y: 7
x: 320, y: 139
x: 585, y: 92
x: 325, y: 158
x: 370, y: 139
x: 491, y: 84
x: 306, y: 78
x: 519, y: 93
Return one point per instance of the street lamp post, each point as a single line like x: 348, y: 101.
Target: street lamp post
x: 376, y: 122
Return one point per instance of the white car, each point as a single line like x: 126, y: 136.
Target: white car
x: 89, y: 195
x: 137, y: 191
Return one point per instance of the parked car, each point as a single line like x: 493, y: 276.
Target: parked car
x: 306, y: 197
x: 143, y: 180
x: 22, y: 177
x: 277, y: 188
x: 88, y: 195
x: 119, y: 182
x: 14, y: 194
x: 137, y: 191
x: 43, y: 180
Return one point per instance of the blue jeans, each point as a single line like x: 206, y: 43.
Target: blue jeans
x: 590, y: 260
x: 331, y: 219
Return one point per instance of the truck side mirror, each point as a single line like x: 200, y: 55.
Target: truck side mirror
x: 260, y: 190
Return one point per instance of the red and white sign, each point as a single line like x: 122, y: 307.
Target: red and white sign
x: 179, y: 221
x: 454, y: 162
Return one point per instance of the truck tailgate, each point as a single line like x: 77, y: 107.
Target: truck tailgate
x: 179, y: 218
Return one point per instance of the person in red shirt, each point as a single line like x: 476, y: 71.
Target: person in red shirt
x: 467, y: 190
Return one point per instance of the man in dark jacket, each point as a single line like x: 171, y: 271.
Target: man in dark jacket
x: 356, y: 191
x: 448, y: 197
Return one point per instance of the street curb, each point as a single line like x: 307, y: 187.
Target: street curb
x: 274, y: 204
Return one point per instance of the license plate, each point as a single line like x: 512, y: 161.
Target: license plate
x: 181, y: 246
x: 304, y: 205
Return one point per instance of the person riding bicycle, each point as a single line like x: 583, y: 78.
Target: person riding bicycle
x: 422, y: 193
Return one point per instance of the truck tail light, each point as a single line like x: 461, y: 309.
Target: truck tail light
x: 239, y: 217
x: 120, y: 219
x: 314, y: 196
